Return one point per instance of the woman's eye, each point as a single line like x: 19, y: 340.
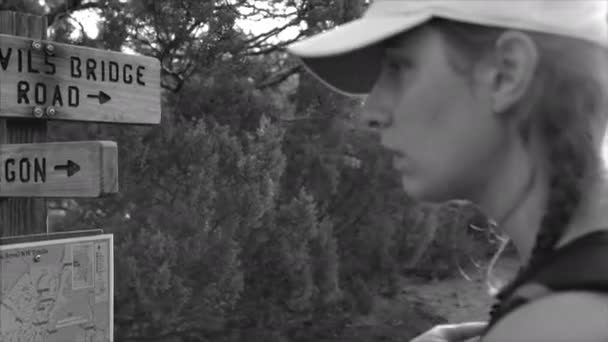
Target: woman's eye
x: 396, y: 66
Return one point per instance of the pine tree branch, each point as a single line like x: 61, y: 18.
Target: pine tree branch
x: 269, y: 48
x: 280, y: 77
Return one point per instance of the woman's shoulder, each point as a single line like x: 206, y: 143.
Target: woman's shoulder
x: 559, y: 317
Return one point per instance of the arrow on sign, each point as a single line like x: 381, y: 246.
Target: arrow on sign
x: 71, y: 167
x: 102, y: 97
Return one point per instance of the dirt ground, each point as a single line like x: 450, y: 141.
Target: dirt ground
x: 459, y: 299
x: 422, y: 304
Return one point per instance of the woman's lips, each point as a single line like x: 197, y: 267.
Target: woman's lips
x: 399, y: 158
x: 399, y: 163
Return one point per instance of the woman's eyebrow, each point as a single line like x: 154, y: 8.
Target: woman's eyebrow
x: 395, y: 52
x: 399, y: 46
x: 399, y: 42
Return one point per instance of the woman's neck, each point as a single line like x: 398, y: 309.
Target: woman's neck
x: 523, y: 225
x: 515, y: 197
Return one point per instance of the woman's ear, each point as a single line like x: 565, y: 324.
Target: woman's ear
x: 516, y: 60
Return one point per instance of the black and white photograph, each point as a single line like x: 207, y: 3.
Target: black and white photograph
x: 303, y: 171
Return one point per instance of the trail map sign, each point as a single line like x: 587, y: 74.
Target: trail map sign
x: 67, y: 82
x: 70, y: 169
x: 57, y: 290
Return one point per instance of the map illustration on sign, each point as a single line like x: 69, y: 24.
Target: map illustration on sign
x: 57, y: 290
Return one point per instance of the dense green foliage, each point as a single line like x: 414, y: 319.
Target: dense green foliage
x: 256, y: 208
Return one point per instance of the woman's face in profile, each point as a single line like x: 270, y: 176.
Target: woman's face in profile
x: 438, y: 120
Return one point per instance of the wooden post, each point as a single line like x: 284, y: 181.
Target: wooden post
x: 22, y: 216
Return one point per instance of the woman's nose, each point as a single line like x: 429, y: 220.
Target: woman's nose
x: 374, y: 117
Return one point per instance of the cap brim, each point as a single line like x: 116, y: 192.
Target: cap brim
x: 347, y: 59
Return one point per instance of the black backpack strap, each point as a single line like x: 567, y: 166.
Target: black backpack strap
x: 579, y: 266
x: 521, y: 295
x: 583, y: 268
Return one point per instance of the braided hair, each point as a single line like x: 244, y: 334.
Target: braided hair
x: 572, y: 161
x: 567, y: 95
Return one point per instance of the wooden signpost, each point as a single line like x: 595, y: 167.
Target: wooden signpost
x: 22, y: 215
x: 39, y: 81
x: 65, y: 82
x: 72, y: 169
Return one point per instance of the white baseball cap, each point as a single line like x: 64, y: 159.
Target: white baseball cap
x: 347, y: 57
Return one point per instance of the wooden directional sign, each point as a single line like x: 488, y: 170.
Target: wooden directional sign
x: 67, y: 82
x: 70, y: 169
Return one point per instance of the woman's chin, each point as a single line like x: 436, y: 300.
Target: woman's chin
x: 419, y: 191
